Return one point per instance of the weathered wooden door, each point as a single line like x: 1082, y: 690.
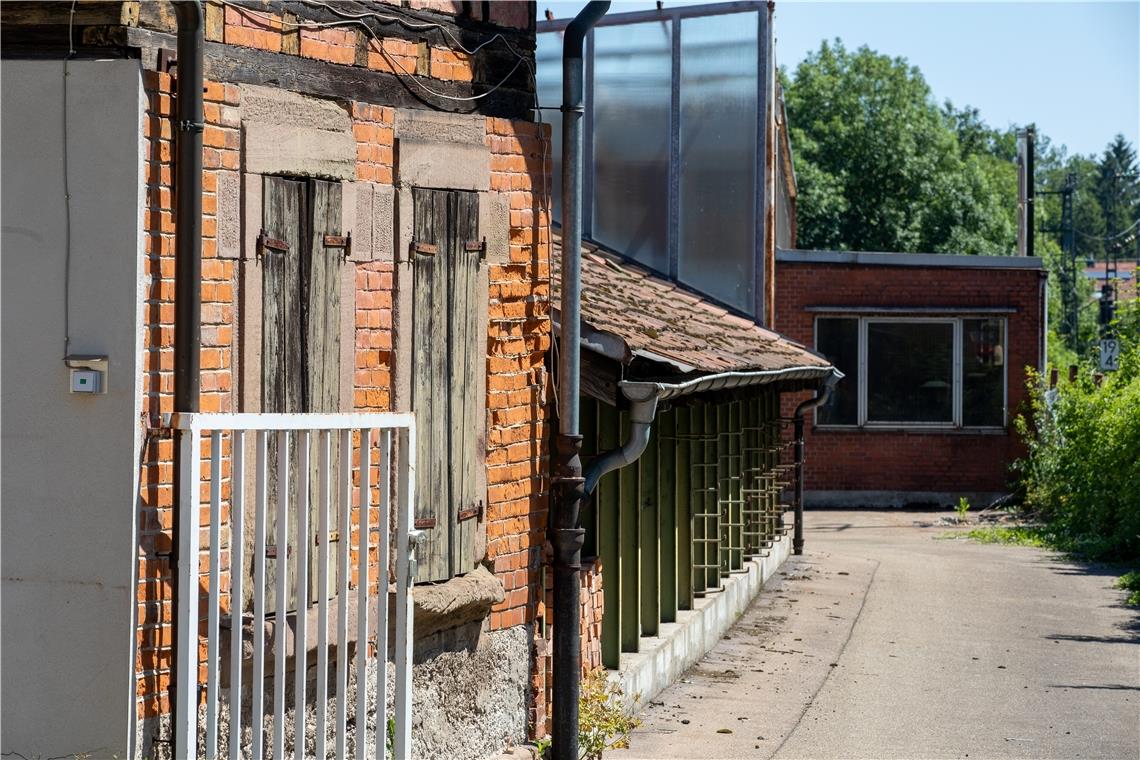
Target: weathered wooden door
x: 300, y: 331
x: 448, y: 349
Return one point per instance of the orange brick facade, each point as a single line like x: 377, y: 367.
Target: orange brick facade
x: 913, y: 461
x: 519, y: 331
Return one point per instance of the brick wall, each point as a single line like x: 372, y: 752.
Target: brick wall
x: 519, y: 329
x: 880, y: 460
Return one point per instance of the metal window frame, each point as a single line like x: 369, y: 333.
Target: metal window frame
x: 764, y: 79
x: 863, y: 422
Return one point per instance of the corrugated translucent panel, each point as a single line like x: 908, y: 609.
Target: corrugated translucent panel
x: 548, y: 71
x: 719, y: 123
x: 632, y: 94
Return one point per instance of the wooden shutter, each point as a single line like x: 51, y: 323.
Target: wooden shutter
x: 467, y: 348
x: 447, y: 351
x: 300, y: 327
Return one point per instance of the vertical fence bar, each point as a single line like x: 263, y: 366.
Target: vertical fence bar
x: 405, y: 577
x: 261, y: 507
x: 213, y: 602
x: 384, y: 481
x: 300, y: 637
x: 237, y: 592
x: 362, y: 595
x: 282, y: 599
x: 344, y: 500
x: 684, y: 516
x: 186, y: 688
x: 324, y: 457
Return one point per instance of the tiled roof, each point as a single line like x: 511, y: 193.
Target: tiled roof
x: 664, y: 322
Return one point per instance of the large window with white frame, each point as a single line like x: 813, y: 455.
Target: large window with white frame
x: 915, y: 372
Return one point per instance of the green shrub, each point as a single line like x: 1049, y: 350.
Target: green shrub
x: 1082, y: 471
x: 1130, y: 582
x: 602, y: 721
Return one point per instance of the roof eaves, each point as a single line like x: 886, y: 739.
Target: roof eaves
x: 725, y: 381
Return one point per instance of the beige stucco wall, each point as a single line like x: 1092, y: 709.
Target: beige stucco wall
x: 70, y: 462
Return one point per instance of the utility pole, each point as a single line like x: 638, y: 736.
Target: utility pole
x: 1026, y: 149
x: 1070, y: 298
x: 1067, y: 272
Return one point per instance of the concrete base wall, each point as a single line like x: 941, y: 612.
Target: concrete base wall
x: 898, y: 499
x: 680, y: 645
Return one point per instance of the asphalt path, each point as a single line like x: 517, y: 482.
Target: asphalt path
x: 890, y: 639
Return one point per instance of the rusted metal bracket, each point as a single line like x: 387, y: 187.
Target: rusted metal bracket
x: 475, y: 510
x: 477, y: 246
x: 425, y: 249
x: 266, y: 245
x: 340, y: 241
x: 425, y: 523
x: 271, y: 551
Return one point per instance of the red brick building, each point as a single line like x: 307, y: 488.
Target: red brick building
x: 396, y: 132
x: 935, y: 350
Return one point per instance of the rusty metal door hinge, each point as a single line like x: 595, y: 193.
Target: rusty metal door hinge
x: 340, y: 241
x: 266, y: 244
x: 477, y: 246
x: 425, y: 249
x: 475, y: 510
x: 425, y: 523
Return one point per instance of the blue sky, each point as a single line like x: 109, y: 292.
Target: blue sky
x: 1073, y: 68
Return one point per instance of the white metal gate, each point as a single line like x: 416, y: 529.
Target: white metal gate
x: 203, y: 720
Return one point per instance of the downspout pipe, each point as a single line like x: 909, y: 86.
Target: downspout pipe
x: 566, y: 533
x: 187, y: 257
x: 820, y: 398
x: 642, y: 411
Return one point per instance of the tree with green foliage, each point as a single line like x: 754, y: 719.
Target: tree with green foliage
x: 881, y: 167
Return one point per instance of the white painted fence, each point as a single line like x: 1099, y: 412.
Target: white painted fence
x: 396, y: 446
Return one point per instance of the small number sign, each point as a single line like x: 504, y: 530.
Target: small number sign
x: 1110, y: 354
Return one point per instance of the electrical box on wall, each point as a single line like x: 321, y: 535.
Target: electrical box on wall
x: 88, y: 373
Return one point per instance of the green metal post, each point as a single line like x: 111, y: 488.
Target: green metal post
x: 647, y: 502
x: 609, y: 544
x: 667, y: 512
x: 630, y: 556
x: 682, y: 499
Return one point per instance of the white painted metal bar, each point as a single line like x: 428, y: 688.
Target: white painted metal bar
x: 292, y: 598
x: 186, y: 687
x: 405, y: 577
x: 362, y: 595
x: 282, y: 599
x: 261, y: 509
x: 344, y: 490
x: 237, y: 593
x: 324, y: 457
x: 384, y: 481
x: 289, y: 421
x: 213, y: 601
x: 300, y: 641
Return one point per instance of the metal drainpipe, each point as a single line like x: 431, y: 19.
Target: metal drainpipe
x: 642, y: 410
x: 819, y: 400
x: 566, y: 533
x: 187, y: 252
